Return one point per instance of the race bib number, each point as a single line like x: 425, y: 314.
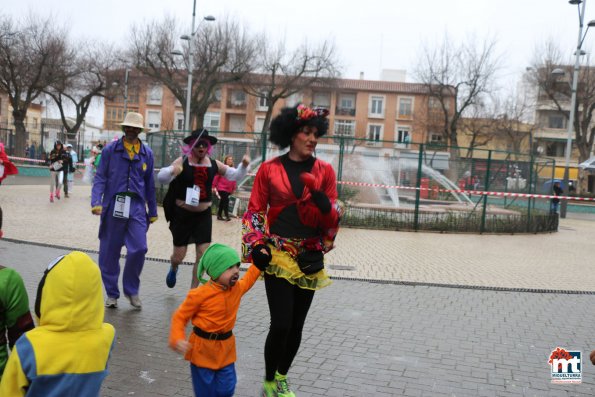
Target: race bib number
x: 122, y: 207
x: 192, y: 195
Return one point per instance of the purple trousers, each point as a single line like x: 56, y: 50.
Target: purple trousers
x: 116, y: 233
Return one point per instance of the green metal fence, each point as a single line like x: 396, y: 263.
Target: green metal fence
x: 409, y: 186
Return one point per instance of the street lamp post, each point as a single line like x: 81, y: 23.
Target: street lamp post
x: 126, y: 91
x: 578, y: 53
x: 190, y: 40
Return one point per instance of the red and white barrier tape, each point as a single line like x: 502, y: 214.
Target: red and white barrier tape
x: 470, y: 192
x: 35, y: 160
x: 432, y: 189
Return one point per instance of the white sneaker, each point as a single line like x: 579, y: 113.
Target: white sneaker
x: 135, y: 301
x: 111, y: 302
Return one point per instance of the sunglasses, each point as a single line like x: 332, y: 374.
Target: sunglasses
x: 202, y: 143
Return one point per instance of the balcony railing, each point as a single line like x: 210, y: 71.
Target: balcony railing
x: 339, y: 111
x: 236, y: 104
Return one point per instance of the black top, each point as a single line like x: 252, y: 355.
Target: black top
x: 288, y: 222
x: 201, y: 176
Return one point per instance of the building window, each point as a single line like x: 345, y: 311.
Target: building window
x: 556, y: 121
x: 555, y: 149
x: 403, y: 134
x: 405, y: 107
x: 258, y: 124
x: 212, y: 120
x: 154, y: 95
x: 263, y: 101
x: 346, y: 105
x: 321, y: 100
x: 374, y: 135
x: 344, y: 128
x: 179, y: 121
x: 238, y: 98
x: 237, y: 122
x: 376, y: 106
x: 435, y: 138
x: 294, y: 99
x: 154, y: 120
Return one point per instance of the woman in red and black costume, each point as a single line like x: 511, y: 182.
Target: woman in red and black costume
x: 291, y: 222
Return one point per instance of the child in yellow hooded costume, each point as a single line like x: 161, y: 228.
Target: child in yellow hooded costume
x: 67, y: 354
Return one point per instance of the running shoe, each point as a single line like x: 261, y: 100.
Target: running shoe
x: 170, y: 280
x: 283, y: 389
x: 269, y: 389
x: 111, y: 303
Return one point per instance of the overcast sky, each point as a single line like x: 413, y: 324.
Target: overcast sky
x: 369, y: 35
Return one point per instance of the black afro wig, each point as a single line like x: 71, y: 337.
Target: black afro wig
x: 287, y: 124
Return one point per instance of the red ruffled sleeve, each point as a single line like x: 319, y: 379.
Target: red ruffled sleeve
x: 254, y: 225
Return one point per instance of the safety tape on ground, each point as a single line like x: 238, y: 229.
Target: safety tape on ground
x: 430, y: 189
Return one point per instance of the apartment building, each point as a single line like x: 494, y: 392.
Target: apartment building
x: 386, y: 114
x: 551, y: 133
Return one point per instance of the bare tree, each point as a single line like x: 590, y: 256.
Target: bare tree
x: 510, y: 124
x: 81, y: 80
x: 556, y: 93
x: 478, y: 128
x: 465, y: 71
x: 221, y: 53
x: 32, y: 54
x: 283, y: 72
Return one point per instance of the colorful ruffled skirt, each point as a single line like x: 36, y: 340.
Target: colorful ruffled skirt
x: 285, y: 266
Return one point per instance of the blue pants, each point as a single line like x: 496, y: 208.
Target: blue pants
x: 210, y: 383
x: 116, y: 233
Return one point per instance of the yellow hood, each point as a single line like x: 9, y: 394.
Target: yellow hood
x: 72, y: 297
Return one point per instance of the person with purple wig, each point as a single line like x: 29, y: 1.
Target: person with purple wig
x: 187, y: 203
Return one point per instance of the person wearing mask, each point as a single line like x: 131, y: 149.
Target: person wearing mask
x: 187, y: 204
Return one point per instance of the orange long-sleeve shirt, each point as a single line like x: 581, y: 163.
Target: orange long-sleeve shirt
x: 213, y: 309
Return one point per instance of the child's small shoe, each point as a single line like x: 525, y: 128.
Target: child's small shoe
x: 269, y: 389
x: 58, y: 194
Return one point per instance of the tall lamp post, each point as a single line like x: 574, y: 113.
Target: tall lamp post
x: 126, y: 91
x: 578, y: 53
x: 190, y: 39
x: 115, y: 84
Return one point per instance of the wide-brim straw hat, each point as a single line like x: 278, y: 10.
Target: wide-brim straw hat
x: 134, y: 120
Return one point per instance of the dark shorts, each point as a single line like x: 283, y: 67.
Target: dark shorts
x: 189, y: 227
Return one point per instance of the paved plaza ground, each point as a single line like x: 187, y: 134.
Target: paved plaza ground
x: 466, y: 326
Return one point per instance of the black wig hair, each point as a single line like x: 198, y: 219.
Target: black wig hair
x: 286, y: 124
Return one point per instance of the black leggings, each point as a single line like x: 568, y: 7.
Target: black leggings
x: 223, y: 204
x: 288, y: 305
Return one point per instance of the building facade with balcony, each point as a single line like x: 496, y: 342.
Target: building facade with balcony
x: 383, y: 114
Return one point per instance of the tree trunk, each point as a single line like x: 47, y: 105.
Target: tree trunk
x: 21, y: 134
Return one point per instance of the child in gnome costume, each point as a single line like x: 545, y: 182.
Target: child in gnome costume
x: 67, y: 354
x: 212, y: 308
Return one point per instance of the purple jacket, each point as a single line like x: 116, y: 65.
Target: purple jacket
x: 116, y: 173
